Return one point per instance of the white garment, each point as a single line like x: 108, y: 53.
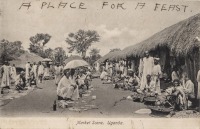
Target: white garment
x: 155, y: 76
x: 198, y: 80
x: 147, y: 64
x: 104, y: 75
x: 117, y: 66
x: 66, y: 90
x: 46, y: 72
x: 189, y: 87
x: 6, y: 76
x: 27, y: 74
x: 40, y: 70
x: 81, y: 79
x: 13, y: 73
x: 151, y: 86
x: 107, y: 66
x: 35, y: 70
x: 174, y: 76
x: 97, y: 66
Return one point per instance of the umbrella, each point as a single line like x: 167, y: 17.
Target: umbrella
x: 74, y: 57
x: 75, y: 63
x: 46, y: 60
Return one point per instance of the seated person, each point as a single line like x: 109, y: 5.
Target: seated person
x: 175, y: 91
x: 32, y: 78
x: 150, y: 87
x: 20, y: 82
x: 118, y: 79
x: 67, y: 87
x: 117, y: 76
x: 81, y: 77
x: 133, y: 82
x: 188, y: 89
x: 104, y: 75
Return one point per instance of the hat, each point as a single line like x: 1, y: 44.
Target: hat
x: 22, y: 72
x: 157, y: 59
x: 130, y: 70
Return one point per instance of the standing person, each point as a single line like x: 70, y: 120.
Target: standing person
x: 58, y: 73
x: 13, y: 72
x: 46, y: 70
x: 107, y: 65
x: 110, y: 67
x: 125, y: 68
x: 40, y: 72
x: 121, y: 67
x: 147, y: 63
x: 198, y: 80
x: 5, y: 71
x: 156, y: 73
x: 117, y: 66
x: 35, y: 69
x: 140, y: 68
x: 27, y: 70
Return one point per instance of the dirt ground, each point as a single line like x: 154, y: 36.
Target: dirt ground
x: 109, y: 102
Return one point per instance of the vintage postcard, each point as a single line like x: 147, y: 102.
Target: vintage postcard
x: 80, y: 64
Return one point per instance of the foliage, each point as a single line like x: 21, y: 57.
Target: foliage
x: 38, y: 42
x: 59, y: 55
x: 94, y: 55
x: 94, y: 52
x: 10, y: 50
x: 82, y: 40
x: 115, y: 49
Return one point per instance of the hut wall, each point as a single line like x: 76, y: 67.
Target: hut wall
x: 192, y: 67
x: 196, y: 68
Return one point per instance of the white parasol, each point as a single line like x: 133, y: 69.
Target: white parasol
x: 75, y: 64
x: 46, y: 60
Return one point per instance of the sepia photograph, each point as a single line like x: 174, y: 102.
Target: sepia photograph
x: 99, y: 59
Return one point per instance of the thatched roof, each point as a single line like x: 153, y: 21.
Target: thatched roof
x: 108, y: 56
x: 180, y: 38
x: 24, y: 58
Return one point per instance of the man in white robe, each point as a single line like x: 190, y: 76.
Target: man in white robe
x: 13, y: 73
x: 27, y: 69
x: 156, y: 73
x: 147, y: 63
x: 67, y: 88
x: 34, y: 69
x: 40, y: 72
x: 58, y: 74
x: 5, y: 71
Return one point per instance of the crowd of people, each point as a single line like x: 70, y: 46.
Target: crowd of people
x: 71, y: 83
x: 32, y: 74
x: 147, y: 80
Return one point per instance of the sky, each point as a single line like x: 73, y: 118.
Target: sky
x: 117, y: 27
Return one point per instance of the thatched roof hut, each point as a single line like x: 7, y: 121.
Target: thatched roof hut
x: 180, y: 38
x: 109, y: 56
x: 24, y: 58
